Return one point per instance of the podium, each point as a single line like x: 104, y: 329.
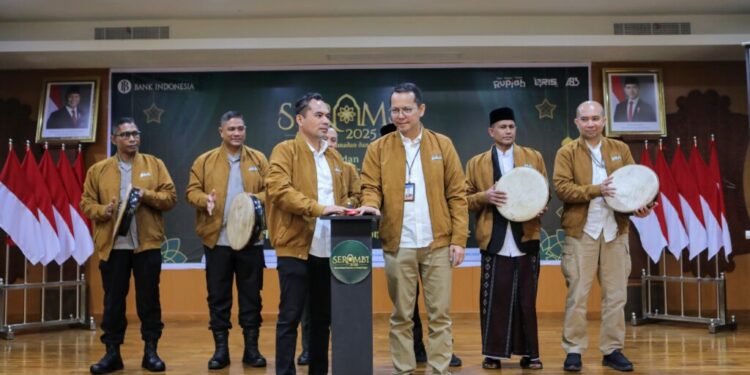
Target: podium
x: 351, y: 294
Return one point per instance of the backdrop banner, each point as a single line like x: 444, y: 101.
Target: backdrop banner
x: 178, y: 113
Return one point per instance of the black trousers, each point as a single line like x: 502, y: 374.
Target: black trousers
x: 146, y: 269
x: 298, y: 279
x: 222, y: 264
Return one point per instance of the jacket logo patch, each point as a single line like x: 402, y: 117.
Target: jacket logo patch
x: 252, y: 168
x: 437, y: 157
x: 616, y: 157
x: 337, y: 169
x: 145, y: 174
x: 528, y: 165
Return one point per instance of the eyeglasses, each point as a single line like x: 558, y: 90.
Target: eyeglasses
x: 406, y: 111
x: 134, y: 134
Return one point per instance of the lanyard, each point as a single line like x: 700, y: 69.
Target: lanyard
x: 410, y: 165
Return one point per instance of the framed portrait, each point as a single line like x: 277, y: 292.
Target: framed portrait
x: 68, y: 110
x: 634, y: 102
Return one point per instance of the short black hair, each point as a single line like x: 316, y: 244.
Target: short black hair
x: 72, y: 90
x: 228, y: 115
x: 120, y: 121
x: 406, y: 87
x: 303, y: 103
x: 630, y: 80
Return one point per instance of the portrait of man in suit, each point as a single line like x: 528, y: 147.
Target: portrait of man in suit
x: 71, y: 115
x: 633, y: 108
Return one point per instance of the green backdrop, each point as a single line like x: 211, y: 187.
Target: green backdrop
x: 178, y: 113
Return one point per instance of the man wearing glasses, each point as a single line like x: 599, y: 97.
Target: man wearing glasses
x: 424, y: 231
x: 216, y: 178
x: 138, y: 251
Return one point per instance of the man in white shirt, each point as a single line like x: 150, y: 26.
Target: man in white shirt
x: 305, y: 182
x: 596, y: 238
x: 510, y: 250
x: 414, y: 177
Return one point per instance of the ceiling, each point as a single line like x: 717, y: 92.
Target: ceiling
x: 70, y: 10
x: 234, y: 51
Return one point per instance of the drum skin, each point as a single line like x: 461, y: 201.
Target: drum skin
x: 635, y: 186
x: 527, y: 194
x: 245, y: 222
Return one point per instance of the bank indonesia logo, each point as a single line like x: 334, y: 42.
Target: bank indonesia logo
x: 124, y: 86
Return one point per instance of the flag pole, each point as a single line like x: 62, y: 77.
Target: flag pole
x: 716, y: 260
x: 682, y: 284
x: 698, y: 262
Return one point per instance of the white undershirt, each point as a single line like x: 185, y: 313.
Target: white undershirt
x: 416, y: 229
x: 600, y: 218
x: 321, y: 242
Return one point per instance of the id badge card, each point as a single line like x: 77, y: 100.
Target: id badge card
x: 409, y: 192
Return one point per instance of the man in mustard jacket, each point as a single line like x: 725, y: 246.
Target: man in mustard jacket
x: 216, y: 178
x: 510, y: 250
x: 414, y: 177
x: 352, y: 187
x: 306, y: 181
x: 138, y: 251
x: 596, y: 237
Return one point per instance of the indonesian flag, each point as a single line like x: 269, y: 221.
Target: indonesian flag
x: 652, y: 228
x: 709, y: 201
x: 60, y: 207
x: 79, y: 169
x: 55, y: 99
x: 692, y: 212
x: 715, y: 176
x: 669, y: 205
x: 81, y: 226
x: 45, y: 213
x: 18, y: 216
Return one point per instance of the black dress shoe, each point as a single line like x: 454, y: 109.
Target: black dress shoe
x: 455, y: 361
x: 617, y: 361
x: 304, y: 358
x: 573, y: 362
x: 151, y: 360
x: 112, y: 361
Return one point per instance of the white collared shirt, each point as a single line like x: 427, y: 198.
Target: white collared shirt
x: 416, y: 229
x: 600, y: 218
x: 509, y: 249
x: 321, y: 242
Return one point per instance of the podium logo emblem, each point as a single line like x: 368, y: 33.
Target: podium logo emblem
x: 350, y: 261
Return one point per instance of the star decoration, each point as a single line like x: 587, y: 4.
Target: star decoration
x: 546, y: 109
x: 153, y: 114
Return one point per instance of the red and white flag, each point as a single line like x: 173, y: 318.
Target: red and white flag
x: 692, y: 212
x: 715, y: 175
x: 60, y: 207
x: 669, y: 204
x: 709, y: 196
x: 81, y: 226
x: 652, y: 229
x: 45, y: 213
x: 78, y: 168
x: 18, y: 216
